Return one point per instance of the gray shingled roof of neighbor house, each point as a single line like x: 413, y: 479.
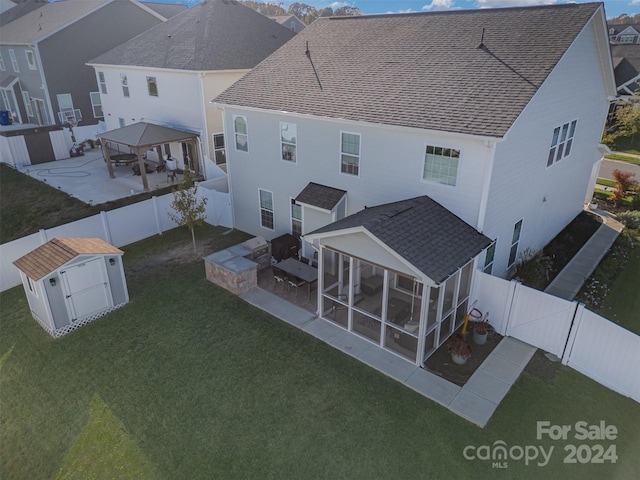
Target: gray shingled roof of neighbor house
x: 626, y: 62
x: 320, y: 196
x: 421, y: 231
x: 422, y: 70
x: 213, y: 35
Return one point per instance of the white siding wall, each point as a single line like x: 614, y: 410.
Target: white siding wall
x: 522, y: 186
x: 178, y: 102
x: 391, y: 164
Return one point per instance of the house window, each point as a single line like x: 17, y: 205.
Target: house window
x: 350, y: 153
x: 102, y: 82
x: 561, y: 142
x: 240, y: 130
x: 488, y: 258
x: 96, y: 104
x: 441, y: 165
x: 627, y: 39
x: 293, y: 26
x: 125, y: 85
x: 219, y: 152
x: 66, y: 111
x: 152, y: 86
x: 121, y: 122
x: 266, y: 209
x: 31, y: 59
x: 5, y: 99
x: 296, y: 219
x: 515, y: 240
x: 288, y: 140
x: 27, y: 103
x: 14, y: 61
x: 2, y: 67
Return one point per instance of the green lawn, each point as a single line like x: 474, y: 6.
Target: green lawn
x: 624, y: 158
x: 187, y: 382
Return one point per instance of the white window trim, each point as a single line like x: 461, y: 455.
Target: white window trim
x: 295, y: 145
x: 32, y: 65
x: 2, y: 66
x: 424, y: 161
x: 155, y: 80
x: 14, y: 61
x: 554, y: 147
x: 215, y: 149
x: 516, y: 243
x: 341, y: 153
x: 102, y: 83
x: 93, y: 105
x: 273, y: 213
x: 291, y: 202
x: 235, y: 141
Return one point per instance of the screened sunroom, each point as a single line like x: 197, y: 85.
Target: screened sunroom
x: 398, y: 274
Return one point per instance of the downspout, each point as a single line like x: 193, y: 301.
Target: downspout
x: 52, y: 117
x: 486, y: 183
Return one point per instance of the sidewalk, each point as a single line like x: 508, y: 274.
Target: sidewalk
x: 569, y: 281
x: 475, y: 401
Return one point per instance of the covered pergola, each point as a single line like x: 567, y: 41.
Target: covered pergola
x: 143, y: 136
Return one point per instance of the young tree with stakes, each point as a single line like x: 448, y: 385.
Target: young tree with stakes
x: 189, y: 209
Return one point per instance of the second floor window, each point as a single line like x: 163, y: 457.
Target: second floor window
x: 96, y: 104
x: 350, y: 153
x: 441, y: 165
x: 125, y: 84
x: 102, y: 82
x: 31, y: 59
x: 14, y: 61
x: 288, y: 141
x: 561, y: 142
x: 152, y: 86
x: 240, y: 131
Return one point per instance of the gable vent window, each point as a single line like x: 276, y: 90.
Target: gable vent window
x: 561, y: 142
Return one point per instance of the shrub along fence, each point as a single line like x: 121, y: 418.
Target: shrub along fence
x: 583, y: 340
x: 118, y: 227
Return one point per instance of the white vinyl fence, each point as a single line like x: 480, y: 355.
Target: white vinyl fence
x: 585, y: 341
x: 119, y: 227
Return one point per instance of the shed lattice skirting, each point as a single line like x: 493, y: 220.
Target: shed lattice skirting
x: 59, y: 332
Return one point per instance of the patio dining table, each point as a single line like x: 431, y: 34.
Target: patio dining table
x: 300, y: 270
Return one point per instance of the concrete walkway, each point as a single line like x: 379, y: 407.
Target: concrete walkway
x: 475, y: 401
x: 569, y: 281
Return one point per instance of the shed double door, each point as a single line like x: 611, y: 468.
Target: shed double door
x: 86, y: 289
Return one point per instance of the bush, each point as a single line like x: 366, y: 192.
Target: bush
x: 630, y: 218
x: 533, y: 269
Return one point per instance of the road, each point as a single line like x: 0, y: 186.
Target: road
x: 608, y: 166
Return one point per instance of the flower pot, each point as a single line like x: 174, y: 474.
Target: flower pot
x: 593, y: 206
x: 479, y: 338
x: 459, y: 359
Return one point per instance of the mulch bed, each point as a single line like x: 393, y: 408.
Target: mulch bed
x: 440, y: 362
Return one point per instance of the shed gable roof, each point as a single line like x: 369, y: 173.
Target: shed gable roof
x: 213, y: 35
x: 421, y: 231
x: 422, y: 70
x: 58, y: 251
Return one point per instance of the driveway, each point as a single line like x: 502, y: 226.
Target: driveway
x: 87, y: 178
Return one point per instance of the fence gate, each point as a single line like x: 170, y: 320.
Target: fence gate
x: 540, y: 319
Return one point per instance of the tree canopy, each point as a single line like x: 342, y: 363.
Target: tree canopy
x: 306, y: 13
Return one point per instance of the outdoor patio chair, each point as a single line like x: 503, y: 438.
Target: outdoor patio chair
x: 296, y: 283
x: 279, y: 277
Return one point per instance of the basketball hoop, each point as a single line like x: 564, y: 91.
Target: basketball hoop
x: 70, y: 118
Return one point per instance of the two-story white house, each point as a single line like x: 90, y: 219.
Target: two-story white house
x: 167, y: 75
x: 495, y: 115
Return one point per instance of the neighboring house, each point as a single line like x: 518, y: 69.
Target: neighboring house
x: 629, y: 33
x: 626, y: 68
x: 495, y: 114
x: 292, y: 22
x: 43, y: 76
x: 10, y: 10
x: 167, y: 10
x: 167, y: 75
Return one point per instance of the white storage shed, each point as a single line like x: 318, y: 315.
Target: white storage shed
x: 71, y: 281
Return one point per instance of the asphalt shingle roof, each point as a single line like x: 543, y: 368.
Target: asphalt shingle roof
x: 422, y: 70
x: 626, y: 62
x: 213, y: 35
x: 422, y: 231
x: 58, y: 251
x: 320, y: 196
x: 142, y: 134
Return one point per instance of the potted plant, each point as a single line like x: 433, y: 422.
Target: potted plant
x: 480, y: 331
x: 594, y: 203
x: 459, y: 349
